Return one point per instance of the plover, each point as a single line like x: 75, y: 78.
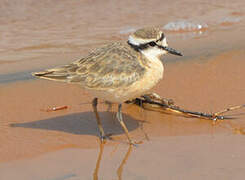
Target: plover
x: 118, y: 71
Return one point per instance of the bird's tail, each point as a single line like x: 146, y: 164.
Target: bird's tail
x: 56, y: 74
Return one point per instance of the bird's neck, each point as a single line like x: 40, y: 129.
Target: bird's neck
x: 153, y: 53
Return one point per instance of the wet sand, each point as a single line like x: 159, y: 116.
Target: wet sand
x: 60, y: 145
x: 179, y: 147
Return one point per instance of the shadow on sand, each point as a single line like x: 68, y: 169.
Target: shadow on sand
x: 82, y: 123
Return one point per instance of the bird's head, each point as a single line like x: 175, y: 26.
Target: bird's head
x: 152, y: 41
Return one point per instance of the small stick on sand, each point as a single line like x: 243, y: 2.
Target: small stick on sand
x: 229, y: 109
x: 55, y: 108
x: 156, y: 103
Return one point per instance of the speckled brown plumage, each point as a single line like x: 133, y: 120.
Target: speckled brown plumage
x: 111, y: 66
x: 149, y: 33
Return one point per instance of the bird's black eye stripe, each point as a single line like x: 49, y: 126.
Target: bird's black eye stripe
x: 161, y: 38
x: 152, y: 43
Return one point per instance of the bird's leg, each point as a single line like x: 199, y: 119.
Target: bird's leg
x: 102, y: 133
x: 120, y: 119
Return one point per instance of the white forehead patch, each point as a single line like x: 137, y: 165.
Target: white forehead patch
x: 132, y: 40
x: 137, y: 41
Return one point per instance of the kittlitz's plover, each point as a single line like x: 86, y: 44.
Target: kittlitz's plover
x: 118, y: 71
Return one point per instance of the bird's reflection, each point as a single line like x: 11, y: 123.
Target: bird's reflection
x: 124, y: 161
x: 121, y: 166
x: 96, y: 170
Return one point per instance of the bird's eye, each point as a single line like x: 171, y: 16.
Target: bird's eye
x: 152, y: 44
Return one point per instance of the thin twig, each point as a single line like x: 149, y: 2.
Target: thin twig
x: 154, y: 101
x: 229, y: 109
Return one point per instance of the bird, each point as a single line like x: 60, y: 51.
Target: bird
x: 118, y: 71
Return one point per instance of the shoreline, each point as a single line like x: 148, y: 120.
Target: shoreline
x: 24, y: 120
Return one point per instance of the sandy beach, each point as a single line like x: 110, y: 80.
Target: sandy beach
x: 64, y: 144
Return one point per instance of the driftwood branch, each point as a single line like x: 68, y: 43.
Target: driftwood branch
x: 155, y: 103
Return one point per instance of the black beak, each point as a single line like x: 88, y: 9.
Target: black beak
x: 172, y: 51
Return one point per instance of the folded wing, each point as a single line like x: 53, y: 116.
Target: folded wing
x: 114, y: 65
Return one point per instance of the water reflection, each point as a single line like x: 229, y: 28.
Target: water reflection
x: 96, y: 170
x: 119, y: 169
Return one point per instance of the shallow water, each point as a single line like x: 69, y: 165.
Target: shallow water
x: 35, y: 35
x: 64, y: 144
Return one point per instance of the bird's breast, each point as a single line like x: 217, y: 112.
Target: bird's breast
x: 153, y: 74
